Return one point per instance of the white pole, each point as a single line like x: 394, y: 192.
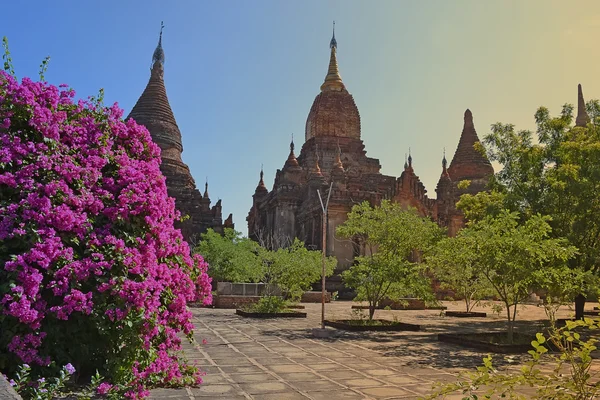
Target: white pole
x: 324, y: 207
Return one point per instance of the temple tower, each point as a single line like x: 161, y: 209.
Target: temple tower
x: 154, y: 112
x: 582, y: 116
x: 333, y: 155
x: 468, y: 162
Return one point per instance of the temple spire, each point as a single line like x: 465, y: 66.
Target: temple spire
x: 333, y: 80
x: 333, y: 42
x: 261, y: 183
x: 468, y: 162
x: 582, y: 117
x: 206, y: 188
x: 405, y: 162
x: 291, y: 160
x: 159, y: 54
x: 444, y: 162
x: 468, y: 119
x: 409, y: 159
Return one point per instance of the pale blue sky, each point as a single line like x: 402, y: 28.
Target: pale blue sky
x: 241, y: 75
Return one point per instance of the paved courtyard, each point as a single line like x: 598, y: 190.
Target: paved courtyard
x: 279, y: 359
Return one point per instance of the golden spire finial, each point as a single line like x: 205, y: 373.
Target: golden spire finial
x: 333, y: 80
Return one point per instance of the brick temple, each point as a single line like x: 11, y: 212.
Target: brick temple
x: 154, y: 112
x: 334, y: 152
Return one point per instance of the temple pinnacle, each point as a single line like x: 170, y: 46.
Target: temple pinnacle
x: 261, y: 188
x: 405, y: 162
x: 444, y: 162
x: 159, y: 54
x: 409, y: 158
x: 206, y: 188
x: 582, y: 117
x: 291, y: 160
x: 333, y: 42
x: 333, y: 80
x: 469, y: 118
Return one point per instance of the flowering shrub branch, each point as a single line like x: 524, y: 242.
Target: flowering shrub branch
x: 92, y: 270
x: 42, y: 389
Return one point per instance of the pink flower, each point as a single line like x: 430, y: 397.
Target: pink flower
x: 84, y: 197
x: 103, y: 388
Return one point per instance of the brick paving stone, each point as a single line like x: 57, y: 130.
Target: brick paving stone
x: 298, y: 377
x: 384, y: 392
x: 280, y: 396
x: 339, y: 395
x: 213, y: 378
x: 324, y: 366
x: 318, y: 385
x: 233, y: 361
x: 404, y: 379
x: 231, y: 369
x: 248, y: 378
x: 342, y: 373
x: 265, y: 387
x: 219, y: 390
x: 361, y: 382
x: 379, y: 372
x: 279, y: 359
x: 421, y: 388
x: 169, y: 393
x: 287, y: 368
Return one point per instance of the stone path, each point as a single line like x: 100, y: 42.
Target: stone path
x: 279, y: 359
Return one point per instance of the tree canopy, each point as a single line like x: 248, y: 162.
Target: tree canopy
x: 393, y: 239
x: 232, y: 258
x: 514, y: 256
x: 556, y: 175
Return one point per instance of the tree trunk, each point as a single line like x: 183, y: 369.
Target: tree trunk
x: 371, y: 311
x: 579, y: 306
x: 510, y: 324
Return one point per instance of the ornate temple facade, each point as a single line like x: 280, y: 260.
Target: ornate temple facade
x: 334, y: 154
x: 154, y: 112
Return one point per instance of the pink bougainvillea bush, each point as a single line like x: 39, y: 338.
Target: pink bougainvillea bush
x: 92, y: 271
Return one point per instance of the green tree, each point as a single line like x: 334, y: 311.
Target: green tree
x: 559, y: 176
x: 454, y: 262
x: 231, y: 257
x: 515, y: 258
x: 393, y: 239
x: 294, y: 269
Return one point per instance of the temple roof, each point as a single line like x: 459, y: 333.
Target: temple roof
x: 468, y: 163
x: 153, y: 109
x: 334, y: 112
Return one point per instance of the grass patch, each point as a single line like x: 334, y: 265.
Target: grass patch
x: 269, y: 305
